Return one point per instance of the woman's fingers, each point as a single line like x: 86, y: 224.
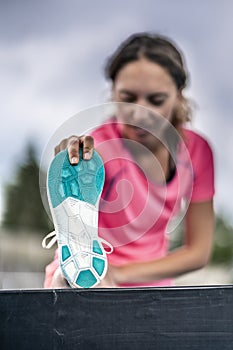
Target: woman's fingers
x: 61, y: 147
x: 73, y: 143
x: 88, y: 146
x: 58, y: 280
x: 73, y: 149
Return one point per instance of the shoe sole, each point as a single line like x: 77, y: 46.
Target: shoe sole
x: 74, y: 192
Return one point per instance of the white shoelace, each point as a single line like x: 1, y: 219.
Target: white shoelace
x: 53, y: 240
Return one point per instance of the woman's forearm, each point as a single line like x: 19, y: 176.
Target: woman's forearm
x: 181, y: 261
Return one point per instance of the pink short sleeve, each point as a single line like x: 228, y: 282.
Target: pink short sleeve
x: 203, y: 168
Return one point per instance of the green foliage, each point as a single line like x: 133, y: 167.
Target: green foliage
x: 23, y: 204
x: 222, y: 252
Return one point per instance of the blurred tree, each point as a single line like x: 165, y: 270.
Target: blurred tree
x: 23, y: 204
x: 222, y: 252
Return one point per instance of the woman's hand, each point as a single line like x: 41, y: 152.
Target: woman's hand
x: 59, y: 280
x: 110, y: 279
x: 73, y: 143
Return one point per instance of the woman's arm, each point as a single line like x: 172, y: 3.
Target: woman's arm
x: 194, y: 254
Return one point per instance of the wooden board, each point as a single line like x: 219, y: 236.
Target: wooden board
x: 153, y: 318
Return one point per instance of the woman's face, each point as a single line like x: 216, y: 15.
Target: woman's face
x: 145, y: 83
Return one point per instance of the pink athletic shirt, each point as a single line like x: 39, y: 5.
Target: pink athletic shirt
x: 134, y: 210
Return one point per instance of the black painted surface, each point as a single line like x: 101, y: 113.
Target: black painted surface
x: 156, y: 318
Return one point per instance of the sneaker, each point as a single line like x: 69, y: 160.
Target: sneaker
x: 74, y: 192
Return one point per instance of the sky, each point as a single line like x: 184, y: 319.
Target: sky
x: 52, y: 56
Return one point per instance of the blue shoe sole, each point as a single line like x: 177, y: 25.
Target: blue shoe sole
x: 83, y: 181
x: 80, y: 186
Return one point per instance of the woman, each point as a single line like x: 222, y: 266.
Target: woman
x: 148, y: 71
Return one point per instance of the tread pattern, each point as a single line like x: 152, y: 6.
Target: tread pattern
x: 83, y: 181
x: 73, y: 191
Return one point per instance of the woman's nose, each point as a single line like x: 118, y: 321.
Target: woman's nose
x: 142, y: 102
x: 139, y: 112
